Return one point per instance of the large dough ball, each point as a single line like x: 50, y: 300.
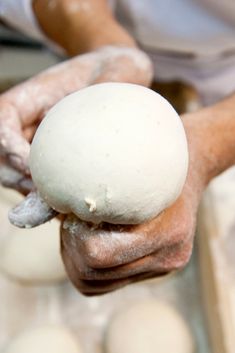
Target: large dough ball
x: 45, y: 340
x: 150, y: 327
x: 29, y: 255
x: 112, y: 152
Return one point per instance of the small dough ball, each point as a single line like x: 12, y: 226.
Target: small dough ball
x: 150, y: 326
x: 112, y: 152
x: 31, y: 256
x: 45, y: 340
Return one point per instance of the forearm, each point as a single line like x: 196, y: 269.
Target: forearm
x: 89, y: 27
x: 80, y: 26
x: 213, y: 133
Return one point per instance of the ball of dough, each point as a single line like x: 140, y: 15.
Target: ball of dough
x: 150, y: 326
x: 112, y: 152
x: 45, y: 340
x: 29, y: 255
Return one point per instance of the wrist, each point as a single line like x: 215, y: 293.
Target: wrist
x: 211, y: 133
x: 199, y: 171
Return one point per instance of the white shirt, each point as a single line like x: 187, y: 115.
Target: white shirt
x: 19, y: 14
x: 188, y: 40
x: 198, y: 27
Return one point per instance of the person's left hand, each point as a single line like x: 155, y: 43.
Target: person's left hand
x: 99, y: 260
x: 23, y: 107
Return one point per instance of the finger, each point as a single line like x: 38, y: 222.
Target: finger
x: 13, y: 179
x: 13, y: 147
x: 108, y: 245
x: 175, y: 256
x: 29, y: 132
x: 100, y: 246
x: 137, y: 267
x: 90, y: 288
x: 164, y: 260
x: 162, y: 263
x: 85, y: 272
x: 31, y: 212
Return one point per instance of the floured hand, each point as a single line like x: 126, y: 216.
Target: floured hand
x: 102, y: 259
x: 24, y: 106
x: 99, y: 260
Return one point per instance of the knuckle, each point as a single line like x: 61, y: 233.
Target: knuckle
x: 91, y: 288
x: 95, y: 256
x: 175, y: 257
x: 84, y: 273
x: 183, y: 258
x: 184, y: 233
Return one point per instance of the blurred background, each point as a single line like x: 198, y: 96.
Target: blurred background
x: 202, y: 294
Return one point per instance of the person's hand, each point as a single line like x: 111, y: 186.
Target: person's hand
x: 99, y: 260
x: 23, y: 107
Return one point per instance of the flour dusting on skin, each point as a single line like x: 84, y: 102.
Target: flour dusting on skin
x: 138, y: 58
x: 108, y: 236
x: 31, y: 212
x: 41, y: 92
x: 14, y: 148
x: 11, y: 178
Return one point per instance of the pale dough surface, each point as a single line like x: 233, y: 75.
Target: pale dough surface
x: 44, y: 340
x: 112, y: 152
x: 29, y: 255
x: 149, y: 326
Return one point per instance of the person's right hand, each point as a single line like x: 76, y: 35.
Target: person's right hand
x: 103, y: 258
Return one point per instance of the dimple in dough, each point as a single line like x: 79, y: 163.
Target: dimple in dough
x: 47, y: 339
x: 111, y: 152
x: 31, y: 256
x: 149, y: 326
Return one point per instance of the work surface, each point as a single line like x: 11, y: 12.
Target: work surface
x: 217, y: 254
x: 23, y: 307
